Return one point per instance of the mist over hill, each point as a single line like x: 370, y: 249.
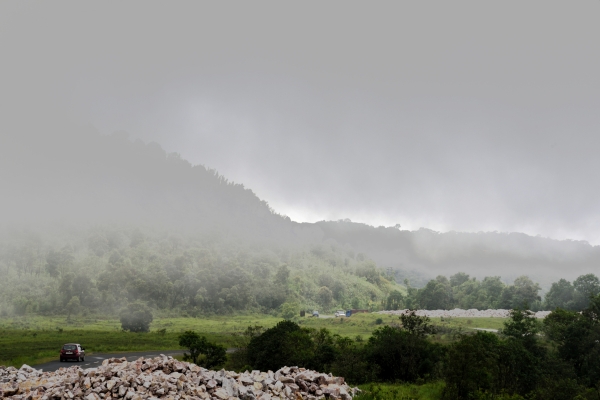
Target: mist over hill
x: 480, y: 254
x: 53, y: 172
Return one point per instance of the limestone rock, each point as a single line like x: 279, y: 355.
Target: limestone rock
x: 167, y: 378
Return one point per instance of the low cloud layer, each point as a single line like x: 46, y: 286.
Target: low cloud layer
x: 453, y: 116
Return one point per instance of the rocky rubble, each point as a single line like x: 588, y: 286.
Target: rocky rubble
x: 166, y: 378
x: 459, y: 313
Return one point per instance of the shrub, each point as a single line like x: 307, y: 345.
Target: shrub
x: 137, y: 317
x: 201, y: 351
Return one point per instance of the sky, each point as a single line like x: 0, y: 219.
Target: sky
x: 454, y: 116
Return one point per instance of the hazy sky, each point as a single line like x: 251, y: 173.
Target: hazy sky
x: 462, y: 115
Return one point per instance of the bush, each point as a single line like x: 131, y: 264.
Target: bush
x: 201, y: 351
x: 137, y: 317
x: 284, y: 344
x: 399, y: 355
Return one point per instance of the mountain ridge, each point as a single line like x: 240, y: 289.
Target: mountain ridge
x: 80, y: 175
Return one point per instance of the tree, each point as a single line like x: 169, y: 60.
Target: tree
x: 282, y: 275
x: 399, y: 355
x: 436, y: 295
x: 577, y: 336
x: 472, y: 366
x: 72, y: 306
x: 284, y: 344
x: 136, y: 317
x: 58, y: 261
x: 493, y: 287
x: 585, y: 286
x: 201, y: 351
x: 289, y: 310
x: 560, y: 295
x: 458, y: 279
x: 522, y: 324
x: 522, y: 294
x: 526, y: 292
x: 395, y: 301
x: 325, y: 297
x: 522, y: 358
x: 417, y: 325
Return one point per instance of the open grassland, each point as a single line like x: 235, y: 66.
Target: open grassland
x: 383, y: 391
x: 35, y: 339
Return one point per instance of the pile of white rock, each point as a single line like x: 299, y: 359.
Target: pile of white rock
x: 166, y: 378
x: 459, y: 313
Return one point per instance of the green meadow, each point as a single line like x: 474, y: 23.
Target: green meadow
x: 35, y: 339
x: 404, y: 391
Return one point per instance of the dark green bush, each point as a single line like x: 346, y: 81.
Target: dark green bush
x: 136, y: 317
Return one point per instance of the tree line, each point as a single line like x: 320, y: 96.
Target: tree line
x: 462, y: 291
x: 102, y: 270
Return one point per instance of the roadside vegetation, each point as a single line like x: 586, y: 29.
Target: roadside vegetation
x: 406, y: 357
x: 34, y: 339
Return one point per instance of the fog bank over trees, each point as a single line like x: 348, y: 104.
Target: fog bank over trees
x: 62, y: 181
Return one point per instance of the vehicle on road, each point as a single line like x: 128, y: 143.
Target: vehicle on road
x: 340, y: 313
x: 72, y: 351
x: 315, y: 313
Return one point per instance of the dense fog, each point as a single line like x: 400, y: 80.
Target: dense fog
x: 92, y: 222
x: 231, y: 150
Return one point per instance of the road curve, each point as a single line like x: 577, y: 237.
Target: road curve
x: 95, y: 359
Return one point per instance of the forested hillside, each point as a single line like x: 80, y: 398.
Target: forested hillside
x: 92, y: 221
x: 103, y: 269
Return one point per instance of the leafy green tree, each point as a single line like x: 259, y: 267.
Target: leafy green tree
x: 470, y: 294
x: 436, y: 295
x: 522, y: 325
x: 395, y: 300
x: 472, y: 366
x: 352, y: 362
x: 586, y: 286
x: 201, y: 351
x: 493, y: 286
x: 325, y: 297
x: 560, y: 295
x: 417, y: 325
x: 458, y: 279
x: 324, y: 349
x: 238, y: 359
x: 399, y: 355
x: 136, y: 317
x: 526, y: 291
x: 289, y: 310
x: 284, y: 344
x: 522, y: 358
x: 522, y: 293
x: 577, y: 336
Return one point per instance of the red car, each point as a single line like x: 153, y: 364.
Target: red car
x: 72, y: 351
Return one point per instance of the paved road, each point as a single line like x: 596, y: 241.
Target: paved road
x: 94, y: 360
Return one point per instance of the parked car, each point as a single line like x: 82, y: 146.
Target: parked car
x: 72, y: 351
x: 315, y: 313
x: 340, y: 313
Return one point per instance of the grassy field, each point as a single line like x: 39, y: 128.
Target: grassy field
x: 427, y: 391
x: 35, y: 339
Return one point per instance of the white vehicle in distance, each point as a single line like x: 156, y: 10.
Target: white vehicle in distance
x: 340, y: 313
x: 315, y: 314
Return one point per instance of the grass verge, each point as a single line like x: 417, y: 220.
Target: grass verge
x: 403, y: 391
